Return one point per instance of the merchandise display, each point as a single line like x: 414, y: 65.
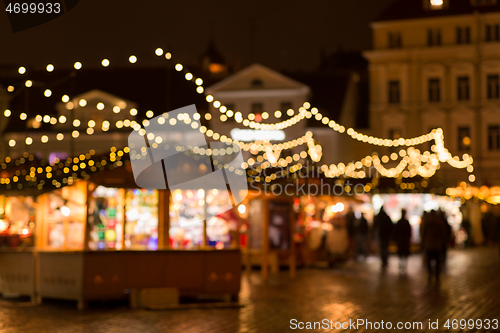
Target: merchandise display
x: 65, y: 217
x: 188, y: 210
x: 17, y: 221
x: 141, y: 219
x: 106, y: 213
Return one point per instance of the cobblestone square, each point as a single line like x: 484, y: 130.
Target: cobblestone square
x: 470, y: 289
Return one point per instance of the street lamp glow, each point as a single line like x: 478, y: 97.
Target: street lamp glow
x: 21, y: 70
x: 50, y: 68
x: 159, y: 51
x: 77, y: 65
x: 132, y: 59
x: 105, y: 62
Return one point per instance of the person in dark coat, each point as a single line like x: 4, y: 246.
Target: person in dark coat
x: 402, y: 236
x: 350, y: 218
x: 434, y: 238
x: 384, y: 227
x: 361, y: 236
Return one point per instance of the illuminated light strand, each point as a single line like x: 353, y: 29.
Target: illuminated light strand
x: 69, y: 166
x: 303, y: 113
x: 443, y: 153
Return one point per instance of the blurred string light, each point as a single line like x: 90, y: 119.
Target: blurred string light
x: 490, y: 195
x: 412, y: 161
x: 72, y: 169
x: 303, y: 113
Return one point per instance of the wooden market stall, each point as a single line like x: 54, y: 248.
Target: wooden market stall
x: 270, y: 239
x: 103, y: 238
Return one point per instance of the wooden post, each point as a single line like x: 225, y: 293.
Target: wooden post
x: 41, y: 223
x: 204, y: 243
x: 292, y: 264
x: 86, y: 231
x: 163, y: 219
x: 123, y: 194
x: 265, y: 240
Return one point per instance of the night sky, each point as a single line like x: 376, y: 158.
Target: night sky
x: 285, y: 35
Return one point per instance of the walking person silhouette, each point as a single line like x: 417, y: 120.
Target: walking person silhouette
x: 402, y: 236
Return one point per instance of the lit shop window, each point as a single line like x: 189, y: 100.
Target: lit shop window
x: 106, y: 218
x: 188, y: 211
x: 64, y: 217
x: 17, y: 221
x: 141, y: 219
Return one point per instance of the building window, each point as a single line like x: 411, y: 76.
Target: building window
x: 464, y: 140
x: 433, y: 37
x: 463, y: 88
x: 257, y: 83
x: 434, y: 90
x: 257, y: 109
x: 285, y: 106
x: 493, y: 85
x: 463, y: 35
x: 394, y: 133
x: 394, y: 92
x: 494, y: 137
x: 492, y: 32
x: 394, y: 40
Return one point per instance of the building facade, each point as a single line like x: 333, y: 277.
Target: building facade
x: 436, y: 63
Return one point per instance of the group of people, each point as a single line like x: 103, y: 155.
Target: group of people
x: 435, y: 234
x: 401, y: 233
